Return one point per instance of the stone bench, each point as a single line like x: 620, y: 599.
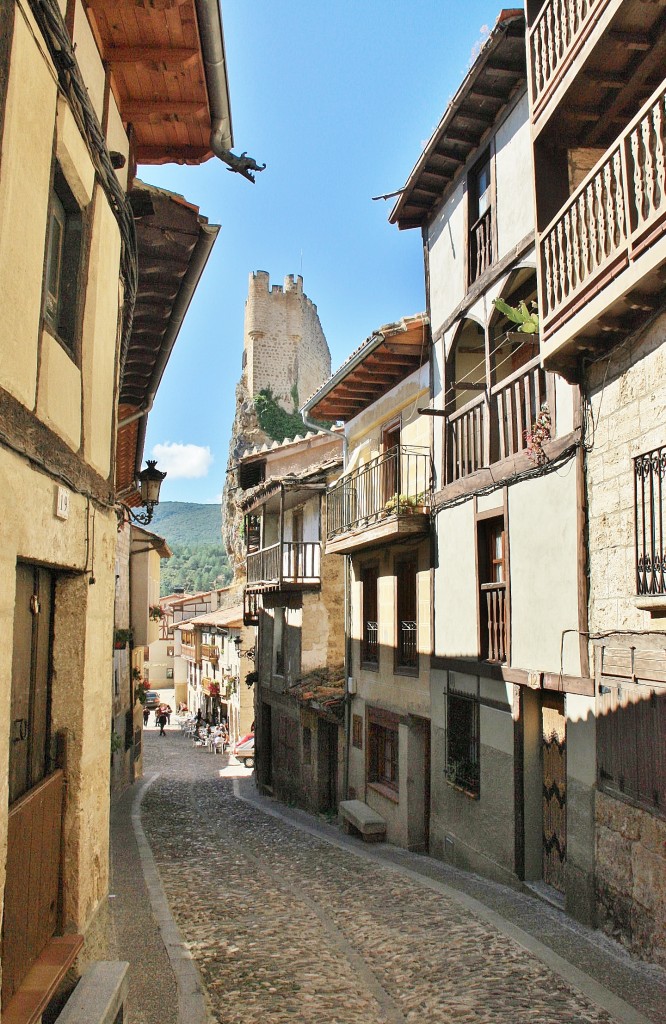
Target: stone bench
x: 99, y: 995
x: 357, y: 817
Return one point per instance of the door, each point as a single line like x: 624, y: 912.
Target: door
x: 327, y: 762
x: 390, y: 462
x: 554, y: 761
x: 32, y: 882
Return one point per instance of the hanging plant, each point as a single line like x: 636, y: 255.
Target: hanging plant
x: 121, y: 638
x: 536, y: 437
x: 155, y: 612
x: 214, y: 690
x: 528, y: 323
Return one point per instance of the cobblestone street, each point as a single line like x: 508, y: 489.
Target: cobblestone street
x: 287, y: 923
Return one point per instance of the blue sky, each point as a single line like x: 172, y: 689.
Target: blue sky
x: 338, y: 99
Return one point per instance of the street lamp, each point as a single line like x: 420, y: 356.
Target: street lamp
x: 150, y: 481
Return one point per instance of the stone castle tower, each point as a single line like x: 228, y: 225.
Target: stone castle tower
x: 284, y: 349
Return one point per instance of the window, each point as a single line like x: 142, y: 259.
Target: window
x: 357, y: 732
x: 370, y: 630
x: 169, y: 652
x: 480, y: 219
x: 493, y: 624
x: 383, y: 763
x: 462, y: 739
x: 63, y: 259
x: 406, y: 646
x: 251, y: 473
x: 650, y: 480
x: 169, y: 673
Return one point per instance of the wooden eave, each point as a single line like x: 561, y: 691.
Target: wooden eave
x: 394, y: 352
x: 157, y: 73
x: 499, y: 70
x: 618, y: 75
x: 168, y: 231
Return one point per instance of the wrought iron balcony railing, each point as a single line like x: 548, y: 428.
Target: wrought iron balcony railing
x: 612, y: 218
x: 396, y: 483
x: 291, y: 563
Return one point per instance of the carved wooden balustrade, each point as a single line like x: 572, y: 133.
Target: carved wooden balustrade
x: 487, y: 430
x: 494, y: 597
x: 553, y: 39
x: 611, y: 218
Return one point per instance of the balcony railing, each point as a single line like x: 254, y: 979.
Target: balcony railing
x: 650, y: 477
x: 486, y: 431
x: 370, y: 652
x: 610, y: 219
x: 211, y: 652
x: 188, y: 651
x: 553, y: 37
x: 493, y: 597
x: 292, y: 562
x: 396, y: 483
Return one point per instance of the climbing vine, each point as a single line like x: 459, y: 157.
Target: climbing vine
x: 274, y: 420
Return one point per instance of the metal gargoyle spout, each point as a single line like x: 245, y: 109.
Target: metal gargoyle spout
x: 242, y: 164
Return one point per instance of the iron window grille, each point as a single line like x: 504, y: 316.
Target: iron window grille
x: 462, y: 741
x: 649, y: 474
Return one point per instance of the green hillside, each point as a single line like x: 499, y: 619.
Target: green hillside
x: 183, y: 522
x: 193, y: 532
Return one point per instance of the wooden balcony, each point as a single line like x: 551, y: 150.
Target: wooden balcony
x: 602, y: 256
x: 210, y: 652
x: 188, y: 651
x: 494, y: 427
x: 385, y: 500
x: 555, y: 40
x: 291, y: 565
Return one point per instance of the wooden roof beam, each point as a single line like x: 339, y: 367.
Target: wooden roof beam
x: 167, y: 57
x: 631, y: 40
x: 145, y: 110
x: 503, y: 70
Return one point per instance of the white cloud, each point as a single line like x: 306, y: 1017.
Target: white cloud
x: 183, y: 461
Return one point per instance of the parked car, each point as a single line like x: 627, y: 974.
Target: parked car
x: 152, y: 700
x: 244, y: 750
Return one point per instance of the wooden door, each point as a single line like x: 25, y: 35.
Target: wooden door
x: 31, y: 680
x: 390, y: 462
x: 554, y: 760
x: 32, y: 882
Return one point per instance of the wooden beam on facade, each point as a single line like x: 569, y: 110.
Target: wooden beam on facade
x: 169, y: 57
x: 146, y: 110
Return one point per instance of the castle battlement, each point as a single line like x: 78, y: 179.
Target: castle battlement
x: 260, y: 283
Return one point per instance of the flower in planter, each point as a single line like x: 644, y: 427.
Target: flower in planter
x: 121, y: 638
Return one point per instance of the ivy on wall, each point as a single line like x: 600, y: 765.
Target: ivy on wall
x: 274, y: 420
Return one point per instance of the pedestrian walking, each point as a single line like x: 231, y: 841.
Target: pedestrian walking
x: 162, y: 721
x: 146, y: 716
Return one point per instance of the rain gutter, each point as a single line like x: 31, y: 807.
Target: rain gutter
x: 215, y: 70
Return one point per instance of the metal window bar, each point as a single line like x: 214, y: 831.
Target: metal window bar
x: 371, y: 643
x: 407, y: 647
x: 650, y: 471
x: 462, y: 742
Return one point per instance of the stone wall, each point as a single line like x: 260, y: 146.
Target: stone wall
x: 285, y: 347
x: 631, y: 876
x: 627, y: 396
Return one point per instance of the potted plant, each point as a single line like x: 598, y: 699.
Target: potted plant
x: 155, y: 612
x: 140, y: 692
x: 400, y: 503
x: 121, y: 638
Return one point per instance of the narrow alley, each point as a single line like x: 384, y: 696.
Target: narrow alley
x: 288, y: 919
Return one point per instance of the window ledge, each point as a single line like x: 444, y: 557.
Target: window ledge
x: 463, y: 789
x: 385, y: 791
x: 655, y: 604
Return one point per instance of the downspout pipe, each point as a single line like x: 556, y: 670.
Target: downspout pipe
x: 217, y: 86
